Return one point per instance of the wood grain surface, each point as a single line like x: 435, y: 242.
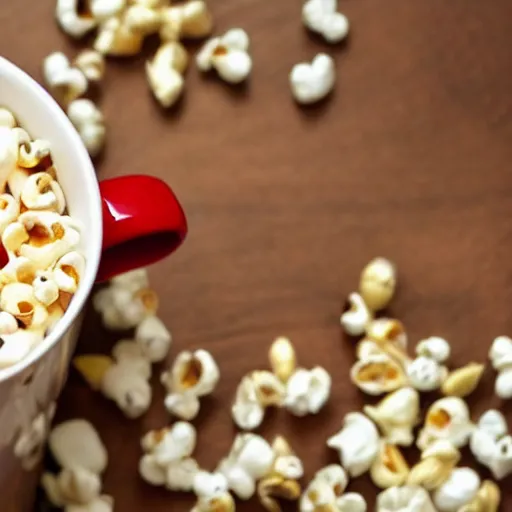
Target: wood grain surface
x: 410, y: 159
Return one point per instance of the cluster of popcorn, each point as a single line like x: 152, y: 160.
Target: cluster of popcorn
x: 123, y: 25
x: 127, y: 302
x: 121, y: 28
x: 371, y: 441
x: 44, y: 267
x: 298, y: 390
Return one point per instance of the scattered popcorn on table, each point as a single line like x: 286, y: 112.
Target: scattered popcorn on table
x: 491, y: 444
x: 396, y: 415
x: 500, y: 355
x: 357, y: 317
x: 65, y: 82
x: 190, y: 20
x: 307, y: 391
x: 377, y: 374
x: 377, y: 284
x: 447, y: 418
x: 459, y: 490
x: 327, y: 492
x: 404, y: 499
x: 126, y: 302
x: 437, y: 462
x: 74, y: 23
x: 463, y: 381
x: 389, y: 469
x: 282, y: 481
x: 298, y: 390
x: 192, y: 375
x: 283, y: 359
x: 122, y: 381
x: 76, y: 446
x: 89, y: 123
x: 434, y: 348
x: 228, y: 55
x: 357, y: 442
x: 91, y: 64
x: 321, y: 16
x: 76, y: 443
x: 487, y: 498
x: 153, y: 338
x: 212, y: 493
x: 167, y: 460
x: 250, y: 459
x: 166, y: 71
x: 312, y: 81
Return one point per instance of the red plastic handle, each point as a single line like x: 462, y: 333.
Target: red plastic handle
x: 143, y: 222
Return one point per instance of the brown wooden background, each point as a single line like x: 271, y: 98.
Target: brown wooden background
x: 411, y: 158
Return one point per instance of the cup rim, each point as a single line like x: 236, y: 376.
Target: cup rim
x: 28, y: 86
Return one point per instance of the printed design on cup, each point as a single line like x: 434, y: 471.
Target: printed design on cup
x: 28, y: 409
x: 29, y: 447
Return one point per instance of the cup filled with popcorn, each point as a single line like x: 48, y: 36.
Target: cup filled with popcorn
x: 60, y: 232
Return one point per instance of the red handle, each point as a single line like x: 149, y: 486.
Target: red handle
x: 143, y: 222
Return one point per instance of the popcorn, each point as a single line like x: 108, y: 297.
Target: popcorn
x: 377, y: 284
x: 42, y: 192
x: 76, y: 443
x: 500, y: 355
x: 312, y: 81
x: 447, y: 418
x: 92, y: 64
x: 320, y: 16
x: 153, y: 338
x: 459, y: 490
x: 68, y: 271
x: 357, y: 317
x: 9, y: 211
x: 357, y: 442
x: 282, y: 479
x: 105, y: 9
x: 436, y: 465
x: 142, y: 19
x: 74, y: 23
x: 122, y: 381
x: 165, y: 73
x: 191, y: 20
x: 491, y: 444
x: 76, y: 446
x: 167, y: 459
x: 126, y: 302
x: 250, y: 459
x: 193, y: 375
x: 8, y: 155
x: 377, y: 374
x: 116, y: 39
x: 65, y: 82
x: 228, y: 55
x: 299, y: 390
x: 44, y: 237
x: 89, y: 123
x: 397, y: 415
x: 389, y: 469
x: 404, y: 499
x: 307, y: 391
x: 212, y: 493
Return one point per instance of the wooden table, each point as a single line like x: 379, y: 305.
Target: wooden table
x: 409, y: 159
